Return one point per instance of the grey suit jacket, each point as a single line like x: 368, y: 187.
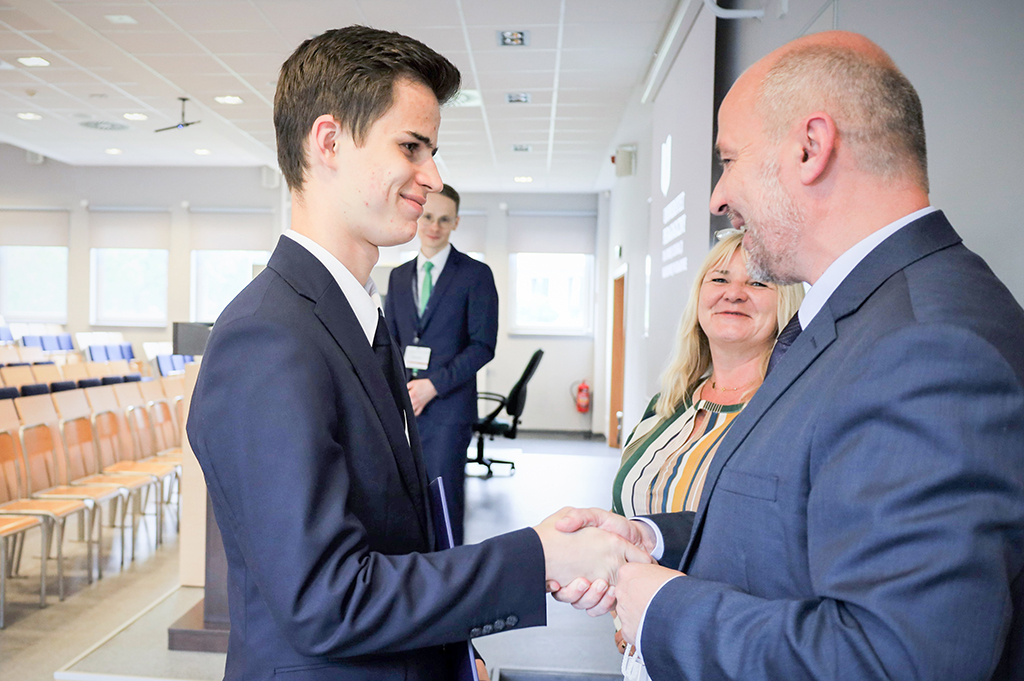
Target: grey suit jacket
x: 864, y: 517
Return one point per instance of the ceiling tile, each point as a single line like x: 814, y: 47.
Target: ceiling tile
x: 94, y: 15
x: 184, y: 63
x: 394, y: 15
x: 611, y: 35
x: 606, y: 59
x: 153, y: 42
x: 223, y: 15
x: 588, y: 11
x: 268, y: 64
x: 527, y: 60
x: 511, y: 14
x: 243, y: 42
x: 542, y: 37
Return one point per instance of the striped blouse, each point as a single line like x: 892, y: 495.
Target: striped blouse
x: 664, y: 464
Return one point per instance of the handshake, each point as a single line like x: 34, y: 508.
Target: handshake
x: 597, y: 561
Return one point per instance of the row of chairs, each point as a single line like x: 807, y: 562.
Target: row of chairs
x: 13, y: 354
x: 47, y: 377
x: 107, y: 353
x: 51, y: 343
x: 173, y: 365
x: 70, y: 452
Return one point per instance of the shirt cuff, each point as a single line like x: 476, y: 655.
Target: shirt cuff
x: 640, y: 628
x: 659, y: 546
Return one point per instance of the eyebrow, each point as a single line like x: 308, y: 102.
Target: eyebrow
x: 423, y: 138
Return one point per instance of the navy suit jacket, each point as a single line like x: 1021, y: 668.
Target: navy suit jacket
x: 460, y: 326
x: 321, y: 499
x: 864, y: 517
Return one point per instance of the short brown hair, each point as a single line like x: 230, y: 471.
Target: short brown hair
x: 449, y: 192
x: 350, y: 74
x: 876, y: 109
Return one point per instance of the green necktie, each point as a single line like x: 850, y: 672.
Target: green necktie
x: 428, y: 285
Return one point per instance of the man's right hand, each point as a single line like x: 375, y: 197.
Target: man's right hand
x: 592, y: 553
x: 597, y: 597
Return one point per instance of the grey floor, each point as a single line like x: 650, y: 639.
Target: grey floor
x: 116, y: 627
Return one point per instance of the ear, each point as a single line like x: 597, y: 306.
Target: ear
x: 324, y: 137
x: 818, y: 146
x: 456, y: 225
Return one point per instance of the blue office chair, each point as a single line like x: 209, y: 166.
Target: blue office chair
x: 32, y: 341
x: 61, y: 386
x: 64, y: 342
x: 35, y: 389
x: 89, y: 383
x: 111, y: 380
x: 98, y: 353
x: 5, y: 335
x: 9, y: 393
x: 127, y: 352
x: 164, y: 365
x: 50, y: 343
x: 114, y: 352
x: 178, y: 362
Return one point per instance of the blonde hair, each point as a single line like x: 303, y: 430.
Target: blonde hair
x: 691, y: 360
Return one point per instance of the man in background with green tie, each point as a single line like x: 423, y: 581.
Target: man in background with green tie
x: 442, y: 309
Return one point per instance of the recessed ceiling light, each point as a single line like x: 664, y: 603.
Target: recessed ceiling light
x: 202, y: 152
x: 120, y: 19
x: 523, y: 178
x: 27, y: 116
x: 228, y: 99
x: 33, y: 61
x: 113, y: 152
x: 522, y: 147
x: 466, y: 98
x: 513, y: 38
x: 4, y: 66
x: 136, y: 116
x: 518, y: 97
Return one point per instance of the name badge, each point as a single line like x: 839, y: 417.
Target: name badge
x: 417, y: 357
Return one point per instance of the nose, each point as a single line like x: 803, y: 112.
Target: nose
x: 429, y: 177
x: 718, y: 204
x: 735, y: 292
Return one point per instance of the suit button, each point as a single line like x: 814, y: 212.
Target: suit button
x: 511, y: 621
x: 499, y: 625
x: 488, y: 629
x: 475, y: 631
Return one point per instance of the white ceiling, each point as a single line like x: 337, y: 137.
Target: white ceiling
x: 584, y: 59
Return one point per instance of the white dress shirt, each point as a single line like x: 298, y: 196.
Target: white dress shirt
x: 364, y: 300
x: 439, y: 260
x: 815, y: 299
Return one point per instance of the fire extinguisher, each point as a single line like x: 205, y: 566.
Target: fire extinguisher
x: 581, y: 393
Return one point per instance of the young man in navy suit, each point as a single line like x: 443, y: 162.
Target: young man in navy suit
x: 864, y: 517
x: 442, y: 309
x: 301, y: 419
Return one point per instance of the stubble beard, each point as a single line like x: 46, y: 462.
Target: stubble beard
x: 773, y: 231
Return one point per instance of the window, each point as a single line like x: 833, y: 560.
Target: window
x: 552, y: 293
x: 34, y: 284
x: 128, y: 287
x: 218, y: 276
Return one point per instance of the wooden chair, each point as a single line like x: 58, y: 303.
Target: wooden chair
x: 9, y: 354
x: 80, y: 447
x: 118, y: 367
x: 174, y: 390
x: 14, y: 499
x: 17, y: 376
x: 46, y: 373
x: 97, y: 369
x: 116, y: 450
x: 46, y: 471
x: 76, y: 371
x: 11, y: 528
x: 31, y: 354
x: 166, y: 427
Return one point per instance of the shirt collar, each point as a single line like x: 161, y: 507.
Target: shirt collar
x: 439, y: 259
x: 841, y: 267
x: 364, y: 300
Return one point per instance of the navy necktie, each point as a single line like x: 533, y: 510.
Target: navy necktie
x: 384, y: 349
x: 783, y: 342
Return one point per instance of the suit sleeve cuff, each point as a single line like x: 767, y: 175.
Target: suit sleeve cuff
x: 659, y: 546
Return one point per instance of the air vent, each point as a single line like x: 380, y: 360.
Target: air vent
x: 522, y: 147
x: 518, y: 98
x: 108, y: 126
x: 513, y: 38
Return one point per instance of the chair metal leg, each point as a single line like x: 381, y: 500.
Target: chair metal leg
x: 3, y: 578
x: 60, y: 559
x: 43, y: 550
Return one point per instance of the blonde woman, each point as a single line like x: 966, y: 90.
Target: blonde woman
x: 725, y: 337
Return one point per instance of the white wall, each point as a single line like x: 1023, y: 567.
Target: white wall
x: 966, y: 60
x: 84, y: 191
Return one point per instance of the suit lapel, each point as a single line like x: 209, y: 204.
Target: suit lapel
x: 311, y: 279
x: 449, y: 273
x: 913, y: 242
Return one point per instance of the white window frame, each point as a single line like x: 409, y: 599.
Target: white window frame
x: 55, y: 318
x: 260, y: 258
x: 585, y: 329
x: 94, y: 314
